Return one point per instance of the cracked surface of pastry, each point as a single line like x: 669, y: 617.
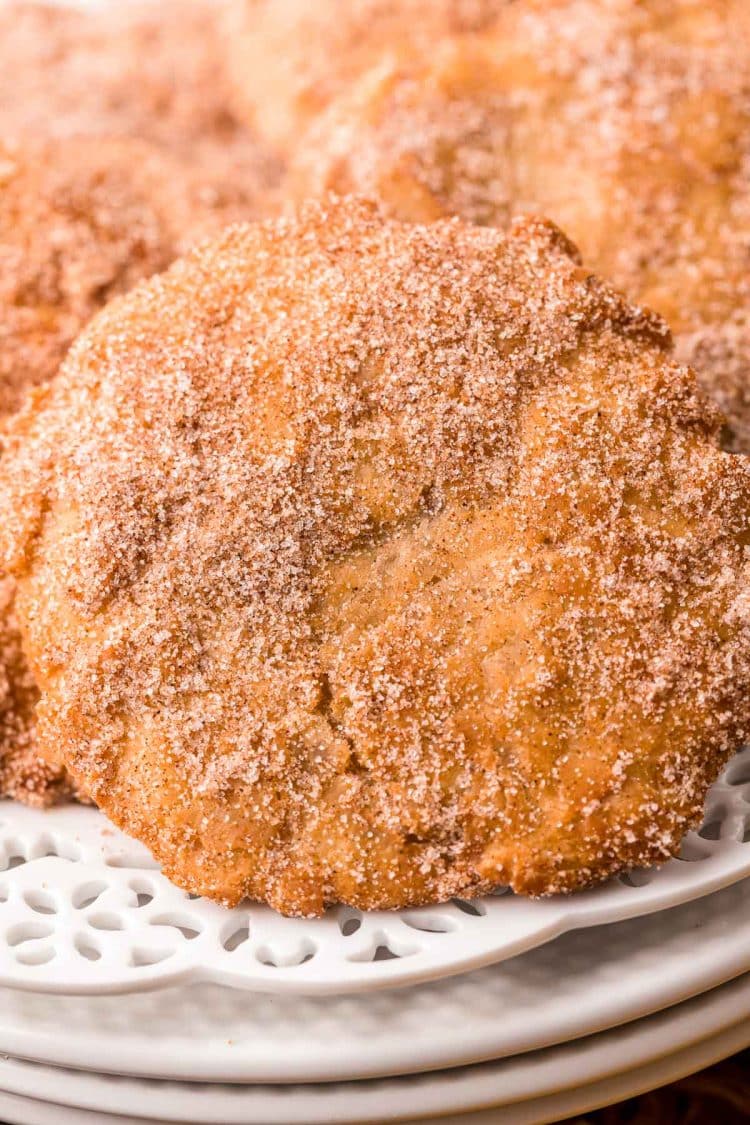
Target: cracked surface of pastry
x: 378, y: 563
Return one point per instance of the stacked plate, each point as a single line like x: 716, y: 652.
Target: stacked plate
x: 125, y: 1000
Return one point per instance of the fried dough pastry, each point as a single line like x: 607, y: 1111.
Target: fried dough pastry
x: 289, y: 59
x: 626, y: 122
x: 378, y: 563
x: 81, y: 220
x: 136, y: 69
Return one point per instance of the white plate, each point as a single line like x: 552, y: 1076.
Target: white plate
x: 83, y: 909
x: 584, y: 982
x: 542, y: 1074
x: 536, y: 1111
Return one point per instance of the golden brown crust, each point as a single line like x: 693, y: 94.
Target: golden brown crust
x: 378, y: 563
x: 627, y: 123
x: 81, y: 220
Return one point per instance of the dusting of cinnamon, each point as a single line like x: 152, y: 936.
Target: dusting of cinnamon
x: 88, y: 206
x: 288, y: 60
x: 24, y: 775
x: 132, y: 68
x: 81, y: 220
x: 378, y: 563
x: 626, y: 123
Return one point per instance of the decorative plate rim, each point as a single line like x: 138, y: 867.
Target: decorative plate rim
x: 83, y: 909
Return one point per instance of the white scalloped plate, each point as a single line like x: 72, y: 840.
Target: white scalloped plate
x: 547, y: 1074
x: 587, y: 981
x: 84, y: 909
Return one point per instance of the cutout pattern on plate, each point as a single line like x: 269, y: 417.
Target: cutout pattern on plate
x: 85, y: 909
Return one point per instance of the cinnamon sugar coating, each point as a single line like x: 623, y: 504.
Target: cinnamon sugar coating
x: 24, y: 775
x: 626, y: 122
x: 132, y: 68
x: 81, y: 220
x: 289, y: 59
x: 379, y: 563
